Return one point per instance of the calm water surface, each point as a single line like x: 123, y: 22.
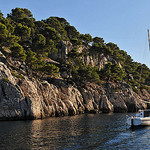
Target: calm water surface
x: 93, y: 132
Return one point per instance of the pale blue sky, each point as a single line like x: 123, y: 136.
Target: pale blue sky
x: 123, y: 22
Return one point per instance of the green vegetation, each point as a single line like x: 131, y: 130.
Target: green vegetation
x: 5, y: 79
x: 18, y: 52
x: 34, y: 42
x: 79, y: 71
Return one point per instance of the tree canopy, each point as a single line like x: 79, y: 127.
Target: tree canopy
x: 34, y: 41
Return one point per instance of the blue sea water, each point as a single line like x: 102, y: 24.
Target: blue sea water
x: 87, y: 131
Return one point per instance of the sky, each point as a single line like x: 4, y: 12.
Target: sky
x: 123, y: 22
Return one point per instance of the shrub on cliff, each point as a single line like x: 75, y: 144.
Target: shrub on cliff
x: 18, y: 52
x: 112, y: 72
x: 49, y: 69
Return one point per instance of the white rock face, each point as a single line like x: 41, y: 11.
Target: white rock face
x: 5, y: 73
x: 96, y: 60
x: 105, y: 105
x: 32, y: 99
x: 62, y: 52
x: 12, y: 100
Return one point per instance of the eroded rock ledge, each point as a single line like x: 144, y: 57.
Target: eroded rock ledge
x: 29, y: 98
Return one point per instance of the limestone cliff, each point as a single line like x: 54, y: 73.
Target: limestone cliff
x: 24, y: 97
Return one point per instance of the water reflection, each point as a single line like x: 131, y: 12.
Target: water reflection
x: 98, y: 131
x: 56, y: 132
x: 88, y: 131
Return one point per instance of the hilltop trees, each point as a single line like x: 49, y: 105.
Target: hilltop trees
x: 22, y: 31
x: 87, y: 38
x: 99, y: 47
x: 21, y: 15
x: 54, y: 23
x: 98, y: 40
x: 34, y: 41
x: 29, y: 40
x: 72, y: 32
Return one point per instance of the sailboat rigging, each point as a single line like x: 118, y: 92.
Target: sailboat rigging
x: 148, y: 38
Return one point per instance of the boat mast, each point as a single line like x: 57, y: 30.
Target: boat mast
x: 148, y: 38
x: 149, y: 50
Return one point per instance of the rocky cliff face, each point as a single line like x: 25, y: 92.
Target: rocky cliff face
x: 31, y: 98
x: 98, y: 60
x: 63, y: 50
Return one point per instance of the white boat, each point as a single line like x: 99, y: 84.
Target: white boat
x: 142, y: 118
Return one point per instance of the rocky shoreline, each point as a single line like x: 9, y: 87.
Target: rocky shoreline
x: 32, y: 98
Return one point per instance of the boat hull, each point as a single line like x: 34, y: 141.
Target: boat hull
x: 136, y: 121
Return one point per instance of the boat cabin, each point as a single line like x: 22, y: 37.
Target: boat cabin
x: 143, y: 113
